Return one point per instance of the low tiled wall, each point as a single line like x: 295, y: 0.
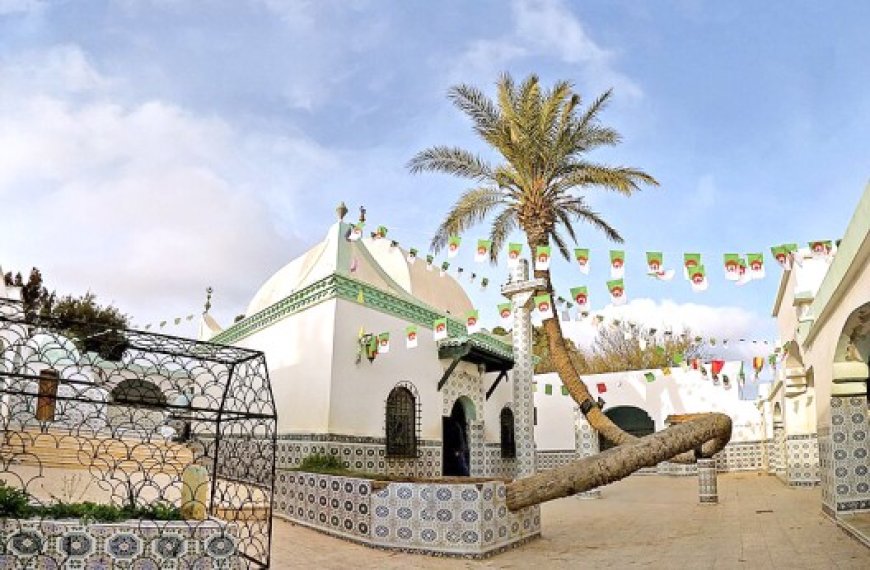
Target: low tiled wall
x: 458, y: 519
x: 35, y: 543
x: 802, y: 460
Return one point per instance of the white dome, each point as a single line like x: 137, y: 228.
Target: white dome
x: 371, y: 261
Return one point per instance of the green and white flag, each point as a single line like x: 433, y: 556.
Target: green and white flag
x: 690, y: 261
x: 515, y: 250
x: 483, y: 247
x: 655, y: 264
x: 649, y: 376
x: 582, y: 257
x: 698, y: 278
x: 384, y: 343
x: 617, y: 291
x: 356, y: 231
x: 617, y: 264
x: 506, y: 314
x: 544, y: 305
x: 732, y: 266
x: 472, y: 321
x: 580, y: 296
x: 821, y: 249
x: 744, y: 276
x: 444, y: 267
x: 412, y: 255
x: 755, y: 262
x: 430, y: 260
x: 411, y: 336
x: 784, y: 254
x: 439, y: 329
x: 484, y: 283
x: 381, y: 232
x: 453, y: 245
x: 542, y: 258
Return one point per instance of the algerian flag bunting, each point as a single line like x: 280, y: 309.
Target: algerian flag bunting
x: 439, y: 329
x: 381, y: 232
x: 617, y: 291
x: 444, y: 267
x: 656, y: 266
x: 384, y: 343
x: 582, y: 257
x: 411, y: 336
x: 472, y: 321
x: 732, y: 266
x: 821, y: 249
x: 356, y: 232
x: 698, y: 278
x: 580, y: 296
x: 755, y: 261
x: 542, y: 258
x: 544, y: 305
x: 690, y: 261
x: 744, y: 276
x: 483, y: 247
x: 649, y: 376
x: 429, y: 262
x: 515, y: 250
x: 506, y: 314
x: 453, y: 245
x: 617, y: 264
x: 412, y: 255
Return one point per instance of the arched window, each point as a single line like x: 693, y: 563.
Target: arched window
x: 401, y: 422
x: 508, y: 439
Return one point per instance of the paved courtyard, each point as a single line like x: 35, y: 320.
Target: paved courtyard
x: 641, y: 522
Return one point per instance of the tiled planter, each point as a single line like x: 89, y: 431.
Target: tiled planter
x: 143, y: 545
x: 441, y: 519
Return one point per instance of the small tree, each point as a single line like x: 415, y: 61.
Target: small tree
x: 624, y: 347
x: 91, y: 326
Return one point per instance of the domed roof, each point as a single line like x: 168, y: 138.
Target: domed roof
x: 372, y: 261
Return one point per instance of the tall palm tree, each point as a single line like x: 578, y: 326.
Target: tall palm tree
x: 544, y: 138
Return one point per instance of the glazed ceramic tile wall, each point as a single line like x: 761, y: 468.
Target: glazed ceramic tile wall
x: 802, y: 457
x: 366, y: 454
x: 551, y: 459
x: 522, y: 375
x: 707, y: 487
x: 460, y: 519
x: 849, y: 449
x: 826, y: 470
x: 741, y: 456
x: 70, y: 544
x: 496, y: 465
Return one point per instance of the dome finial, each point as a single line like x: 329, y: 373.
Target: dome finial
x: 362, y: 214
x: 208, y: 292
x: 341, y: 210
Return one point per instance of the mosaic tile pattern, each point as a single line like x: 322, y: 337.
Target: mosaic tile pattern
x: 462, y: 383
x: 496, y: 465
x: 707, y: 488
x: 552, y: 458
x: 366, y: 454
x: 778, y: 464
x: 741, y: 456
x: 70, y: 544
x: 586, y: 445
x: 826, y: 470
x: 460, y: 519
x: 802, y: 460
x: 850, y: 454
x: 522, y: 375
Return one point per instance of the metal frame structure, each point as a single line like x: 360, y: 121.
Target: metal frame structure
x: 62, y: 412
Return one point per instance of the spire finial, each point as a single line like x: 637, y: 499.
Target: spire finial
x: 362, y: 213
x: 341, y: 210
x: 208, y: 292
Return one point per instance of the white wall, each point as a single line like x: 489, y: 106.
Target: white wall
x: 682, y: 392
x: 297, y: 350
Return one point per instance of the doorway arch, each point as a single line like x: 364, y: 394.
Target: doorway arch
x: 456, y: 451
x: 631, y: 419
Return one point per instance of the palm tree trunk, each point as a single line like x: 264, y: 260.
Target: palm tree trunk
x: 560, y: 357
x: 618, y: 462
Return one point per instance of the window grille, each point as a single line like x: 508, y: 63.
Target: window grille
x: 401, y: 423
x: 508, y: 440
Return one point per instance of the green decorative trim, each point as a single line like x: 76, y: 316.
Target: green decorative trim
x: 349, y: 288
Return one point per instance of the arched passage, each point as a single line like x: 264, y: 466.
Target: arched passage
x: 136, y: 405
x: 632, y: 420
x: 456, y: 449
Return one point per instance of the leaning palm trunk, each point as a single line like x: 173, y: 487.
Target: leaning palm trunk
x: 618, y: 462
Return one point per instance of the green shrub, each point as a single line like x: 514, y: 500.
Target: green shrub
x: 14, y: 503
x: 318, y: 463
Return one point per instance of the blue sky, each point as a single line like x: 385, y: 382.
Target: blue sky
x: 154, y: 147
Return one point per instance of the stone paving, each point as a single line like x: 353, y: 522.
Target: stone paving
x: 640, y: 522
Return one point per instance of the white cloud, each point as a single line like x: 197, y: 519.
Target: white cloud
x: 146, y: 204
x: 546, y: 28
